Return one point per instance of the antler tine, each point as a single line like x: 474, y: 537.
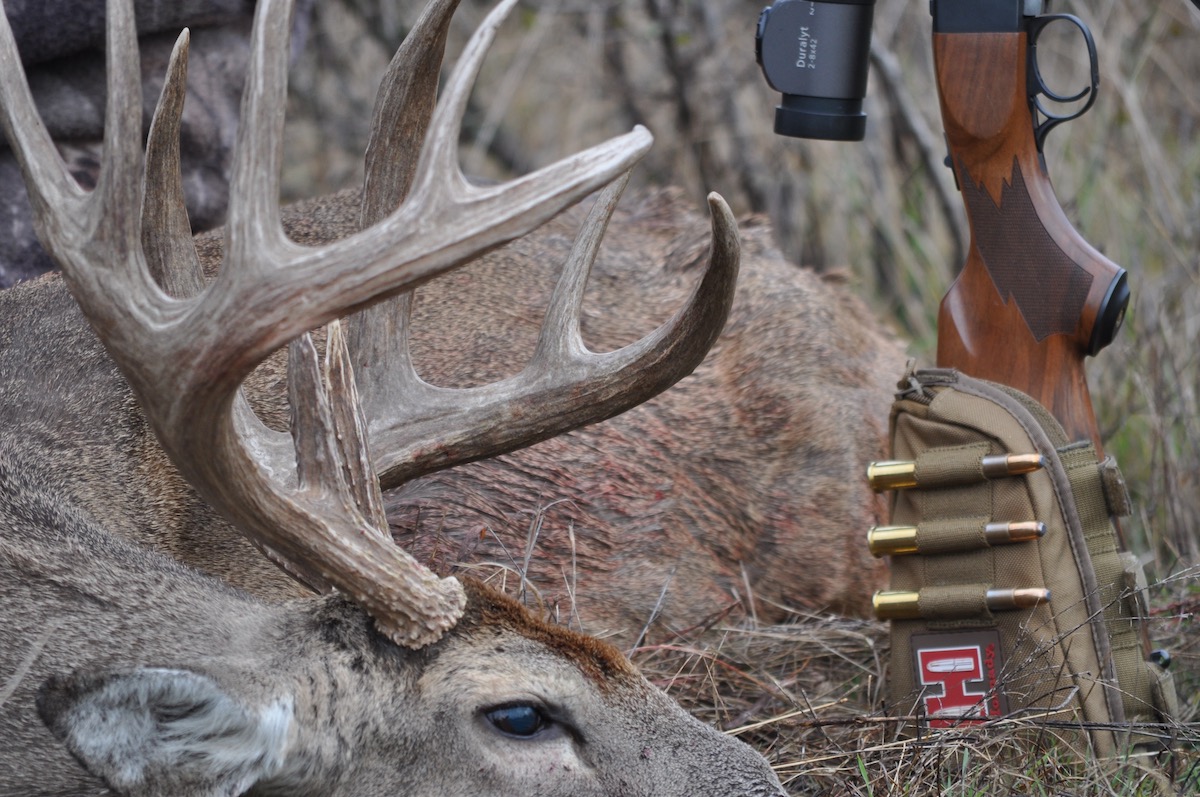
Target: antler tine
x: 417, y: 428
x: 559, y: 339
x: 403, y: 107
x: 47, y: 180
x: 334, y: 472
x: 166, y: 229
x: 254, y: 237
x: 358, y: 474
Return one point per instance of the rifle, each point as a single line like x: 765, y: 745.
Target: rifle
x: 1034, y: 298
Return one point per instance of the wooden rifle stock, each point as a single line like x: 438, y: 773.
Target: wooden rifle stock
x: 1034, y: 298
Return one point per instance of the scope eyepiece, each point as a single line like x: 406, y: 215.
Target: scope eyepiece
x: 816, y: 54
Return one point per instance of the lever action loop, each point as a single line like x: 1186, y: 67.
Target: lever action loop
x: 1038, y: 85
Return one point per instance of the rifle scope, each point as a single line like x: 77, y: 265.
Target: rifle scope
x: 816, y: 54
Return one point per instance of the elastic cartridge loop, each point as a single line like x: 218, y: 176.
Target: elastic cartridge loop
x: 959, y: 602
x: 931, y: 538
x: 958, y: 467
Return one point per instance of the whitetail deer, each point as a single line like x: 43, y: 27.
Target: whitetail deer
x: 152, y: 678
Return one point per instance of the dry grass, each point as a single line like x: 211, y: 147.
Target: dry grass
x: 568, y: 72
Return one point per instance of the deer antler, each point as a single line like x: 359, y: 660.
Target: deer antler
x: 304, y: 501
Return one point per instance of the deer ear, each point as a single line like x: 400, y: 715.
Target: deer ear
x: 152, y: 731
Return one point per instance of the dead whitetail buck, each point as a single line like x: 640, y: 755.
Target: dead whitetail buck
x: 120, y: 668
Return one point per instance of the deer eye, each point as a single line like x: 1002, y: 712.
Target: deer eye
x: 519, y: 720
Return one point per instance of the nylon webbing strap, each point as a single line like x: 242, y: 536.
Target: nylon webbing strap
x: 952, y: 536
x: 1119, y: 601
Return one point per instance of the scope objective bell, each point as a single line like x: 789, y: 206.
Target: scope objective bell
x: 816, y: 54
